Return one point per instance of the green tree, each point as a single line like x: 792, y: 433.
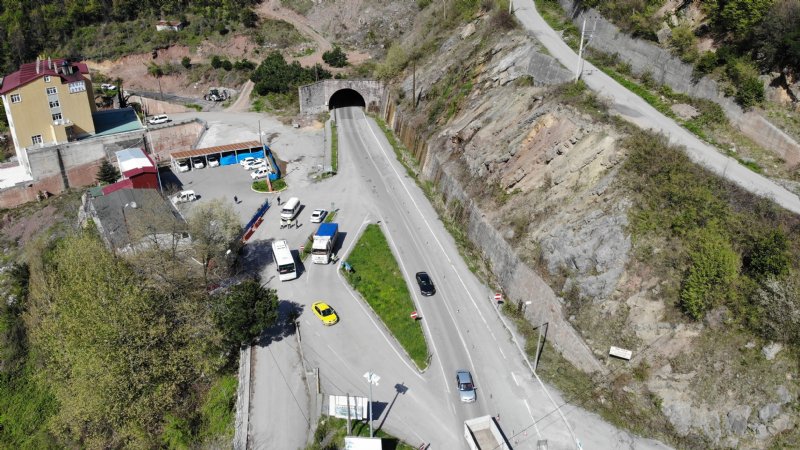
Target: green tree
x: 396, y: 60
x: 117, y: 354
x: 216, y: 62
x: 712, y: 274
x: 227, y: 65
x: 741, y: 16
x: 335, y: 57
x: 214, y: 228
x: 275, y: 75
x: 156, y: 71
x: 186, y: 62
x: 249, y: 18
x: 107, y: 173
x: 768, y: 256
x: 684, y: 42
x: 245, y: 312
x: 778, y: 37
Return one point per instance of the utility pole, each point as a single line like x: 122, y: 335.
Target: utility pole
x: 348, y: 414
x: 580, y: 53
x: 372, y: 378
x: 539, y: 345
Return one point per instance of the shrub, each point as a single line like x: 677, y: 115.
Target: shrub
x: 216, y: 62
x: 335, y: 57
x: 395, y: 62
x: 768, y: 256
x: 750, y: 92
x: 684, y: 42
x: 227, y: 65
x: 712, y: 273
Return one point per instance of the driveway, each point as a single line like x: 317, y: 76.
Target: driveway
x: 633, y: 109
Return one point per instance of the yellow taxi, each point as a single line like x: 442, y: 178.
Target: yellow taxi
x: 325, y: 313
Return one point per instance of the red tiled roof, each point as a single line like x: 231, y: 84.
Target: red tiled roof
x: 212, y: 150
x: 124, y: 184
x: 27, y: 73
x: 133, y: 172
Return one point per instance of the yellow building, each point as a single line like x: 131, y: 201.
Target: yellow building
x: 48, y: 102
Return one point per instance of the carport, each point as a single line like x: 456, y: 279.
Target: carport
x: 228, y: 154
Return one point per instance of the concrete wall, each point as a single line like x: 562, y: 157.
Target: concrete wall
x: 175, y: 136
x: 314, y: 97
x: 154, y: 107
x: 517, y: 280
x: 645, y: 56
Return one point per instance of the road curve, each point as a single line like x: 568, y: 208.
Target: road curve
x: 632, y: 108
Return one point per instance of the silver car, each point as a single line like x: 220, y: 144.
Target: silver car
x: 466, y: 388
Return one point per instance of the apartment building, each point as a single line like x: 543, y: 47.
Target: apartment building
x: 48, y: 102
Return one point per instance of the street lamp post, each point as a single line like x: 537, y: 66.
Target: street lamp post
x: 372, y: 378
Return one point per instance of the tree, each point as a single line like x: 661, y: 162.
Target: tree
x: 741, y: 16
x: 778, y: 37
x: 107, y: 173
x: 216, y: 62
x: 245, y: 312
x: 214, y: 228
x: 117, y: 354
x: 335, y: 57
x: 227, y: 65
x: 154, y: 70
x: 249, y: 18
x: 768, y: 256
x: 186, y: 62
x: 275, y: 75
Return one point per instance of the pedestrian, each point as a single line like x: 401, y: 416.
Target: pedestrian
x: 279, y: 199
x: 295, y: 223
x: 235, y: 199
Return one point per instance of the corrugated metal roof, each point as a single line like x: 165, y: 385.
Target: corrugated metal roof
x: 181, y: 154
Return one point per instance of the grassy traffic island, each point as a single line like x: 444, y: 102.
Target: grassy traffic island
x: 377, y: 277
x: 262, y: 185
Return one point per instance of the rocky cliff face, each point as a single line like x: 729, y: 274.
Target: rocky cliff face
x: 534, y: 178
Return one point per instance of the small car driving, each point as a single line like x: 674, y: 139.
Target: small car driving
x: 325, y: 313
x: 318, y: 215
x: 426, y: 287
x: 466, y: 388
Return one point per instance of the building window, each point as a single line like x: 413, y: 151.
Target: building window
x: 47, y: 78
x: 55, y: 104
x: 51, y: 91
x: 56, y: 116
x: 36, y: 139
x: 15, y: 98
x: 78, y: 86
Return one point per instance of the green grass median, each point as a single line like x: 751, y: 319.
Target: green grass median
x: 377, y: 277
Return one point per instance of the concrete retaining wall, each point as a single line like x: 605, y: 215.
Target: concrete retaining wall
x: 175, y: 136
x: 645, y: 56
x: 314, y: 97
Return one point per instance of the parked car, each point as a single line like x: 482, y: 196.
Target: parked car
x: 213, y: 160
x: 466, y: 388
x: 183, y: 197
x: 262, y: 172
x: 325, y: 313
x: 246, y: 161
x: 255, y: 164
x: 155, y: 120
x: 198, y: 163
x: 318, y: 215
x: 426, y: 287
x: 108, y: 87
x: 183, y: 165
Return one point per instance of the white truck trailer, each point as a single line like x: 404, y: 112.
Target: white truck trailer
x: 483, y: 433
x: 324, y: 241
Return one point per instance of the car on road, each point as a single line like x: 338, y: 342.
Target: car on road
x: 183, y: 165
x: 318, y: 215
x: 198, y: 163
x: 262, y: 172
x: 325, y: 313
x: 155, y: 120
x: 425, y: 283
x: 213, y: 160
x: 466, y: 388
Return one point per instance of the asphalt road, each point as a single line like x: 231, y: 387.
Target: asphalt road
x: 635, y: 110
x: 461, y: 323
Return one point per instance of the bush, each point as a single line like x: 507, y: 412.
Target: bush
x: 395, y: 62
x: 750, y: 92
x: 216, y: 62
x: 186, y: 62
x: 275, y: 75
x: 335, y: 57
x: 713, y: 272
x: 768, y: 256
x: 684, y: 42
x: 227, y: 65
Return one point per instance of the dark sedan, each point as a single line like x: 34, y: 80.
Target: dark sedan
x: 425, y: 284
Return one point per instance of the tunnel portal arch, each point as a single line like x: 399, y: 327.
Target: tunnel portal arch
x: 346, y: 97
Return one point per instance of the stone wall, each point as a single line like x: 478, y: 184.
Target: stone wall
x: 517, y: 280
x: 645, y: 56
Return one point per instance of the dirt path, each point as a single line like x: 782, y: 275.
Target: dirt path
x: 242, y: 103
x: 274, y: 10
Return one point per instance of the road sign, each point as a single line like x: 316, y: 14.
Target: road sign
x: 498, y: 297
x: 414, y: 315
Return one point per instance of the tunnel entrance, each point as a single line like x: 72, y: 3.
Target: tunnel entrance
x: 346, y: 97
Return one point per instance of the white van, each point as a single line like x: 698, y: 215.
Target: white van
x: 184, y: 196
x: 290, y: 208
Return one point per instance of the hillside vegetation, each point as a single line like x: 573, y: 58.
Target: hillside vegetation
x: 105, y: 28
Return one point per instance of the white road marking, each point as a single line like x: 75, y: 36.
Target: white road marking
x: 535, y: 427
x: 515, y: 378
x: 501, y: 352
